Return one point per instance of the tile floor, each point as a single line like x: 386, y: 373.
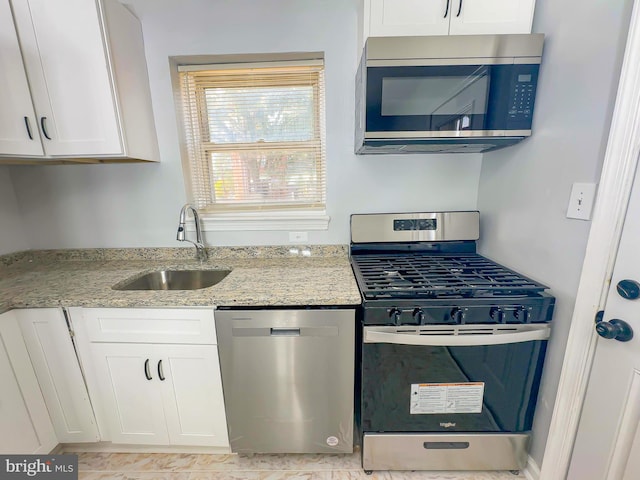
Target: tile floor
x: 130, y: 466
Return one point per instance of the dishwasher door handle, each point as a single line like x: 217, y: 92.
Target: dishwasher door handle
x: 284, y: 332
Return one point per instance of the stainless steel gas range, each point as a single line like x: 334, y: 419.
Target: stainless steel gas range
x: 452, y: 349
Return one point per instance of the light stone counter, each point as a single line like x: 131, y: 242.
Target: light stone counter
x: 260, y: 276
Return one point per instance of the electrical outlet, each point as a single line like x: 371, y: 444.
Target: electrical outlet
x: 581, y: 201
x: 298, y: 237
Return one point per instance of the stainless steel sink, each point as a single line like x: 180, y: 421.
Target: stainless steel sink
x: 174, y: 280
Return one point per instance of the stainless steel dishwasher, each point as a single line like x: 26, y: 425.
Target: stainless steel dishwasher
x: 288, y: 379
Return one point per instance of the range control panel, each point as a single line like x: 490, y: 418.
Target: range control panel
x: 526, y: 311
x: 415, y: 224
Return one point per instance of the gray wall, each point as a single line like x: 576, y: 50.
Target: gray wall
x: 524, y: 190
x: 12, y: 238
x: 138, y: 205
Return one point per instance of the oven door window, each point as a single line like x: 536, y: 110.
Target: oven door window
x: 433, y: 99
x: 509, y: 374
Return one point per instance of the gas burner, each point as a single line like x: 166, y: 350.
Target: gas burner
x: 436, y: 276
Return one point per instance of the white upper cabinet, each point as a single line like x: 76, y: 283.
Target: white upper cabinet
x: 479, y: 17
x: 86, y: 72
x: 408, y: 17
x: 384, y: 18
x: 18, y: 131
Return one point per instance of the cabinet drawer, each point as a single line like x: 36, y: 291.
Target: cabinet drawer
x: 149, y: 325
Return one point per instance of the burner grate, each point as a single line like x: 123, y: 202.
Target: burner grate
x: 434, y: 276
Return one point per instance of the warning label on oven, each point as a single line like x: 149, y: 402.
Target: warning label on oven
x: 446, y: 397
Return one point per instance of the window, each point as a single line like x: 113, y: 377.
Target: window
x: 255, y: 138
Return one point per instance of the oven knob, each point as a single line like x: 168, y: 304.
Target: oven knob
x: 522, y: 314
x: 497, y: 314
x: 394, y: 314
x: 418, y: 316
x: 456, y: 314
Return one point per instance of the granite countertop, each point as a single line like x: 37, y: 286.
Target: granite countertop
x: 260, y: 276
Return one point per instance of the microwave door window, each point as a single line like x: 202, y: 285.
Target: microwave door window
x: 441, y: 103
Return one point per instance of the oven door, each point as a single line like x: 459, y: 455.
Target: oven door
x: 449, y: 397
x: 465, y: 378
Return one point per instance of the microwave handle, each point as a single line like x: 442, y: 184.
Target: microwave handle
x: 373, y: 336
x: 446, y: 12
x: 459, y: 7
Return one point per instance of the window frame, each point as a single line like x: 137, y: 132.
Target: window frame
x: 281, y: 217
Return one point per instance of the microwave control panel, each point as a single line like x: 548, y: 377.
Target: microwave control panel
x: 523, y: 94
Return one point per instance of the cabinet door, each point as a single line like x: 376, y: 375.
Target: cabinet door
x: 25, y: 427
x: 129, y: 396
x: 18, y: 130
x: 56, y: 366
x: 192, y: 393
x: 491, y: 16
x: 409, y: 17
x: 69, y: 75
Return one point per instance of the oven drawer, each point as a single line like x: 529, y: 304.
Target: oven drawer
x: 402, y: 451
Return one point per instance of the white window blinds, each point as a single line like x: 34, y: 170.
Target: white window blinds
x: 255, y: 137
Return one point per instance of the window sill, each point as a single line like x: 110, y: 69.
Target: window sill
x: 263, y: 221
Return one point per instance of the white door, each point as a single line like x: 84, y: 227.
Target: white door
x: 608, y: 441
x: 18, y: 128
x: 65, y: 59
x: 477, y: 17
x: 409, y: 17
x: 596, y: 440
x: 129, y: 393
x: 192, y: 392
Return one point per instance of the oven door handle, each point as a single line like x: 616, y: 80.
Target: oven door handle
x: 371, y: 335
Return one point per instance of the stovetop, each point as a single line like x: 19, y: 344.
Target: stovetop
x: 423, y: 268
x: 427, y: 276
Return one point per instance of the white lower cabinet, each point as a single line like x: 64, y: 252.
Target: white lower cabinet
x: 156, y: 393
x: 54, y: 360
x: 25, y: 426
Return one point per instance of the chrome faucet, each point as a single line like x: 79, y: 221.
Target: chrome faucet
x: 200, y: 248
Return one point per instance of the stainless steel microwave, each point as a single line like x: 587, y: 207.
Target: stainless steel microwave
x: 446, y: 94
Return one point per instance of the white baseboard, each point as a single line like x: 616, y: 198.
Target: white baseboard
x: 108, y: 447
x: 532, y: 470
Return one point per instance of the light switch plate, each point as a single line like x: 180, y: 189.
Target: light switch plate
x: 581, y: 201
